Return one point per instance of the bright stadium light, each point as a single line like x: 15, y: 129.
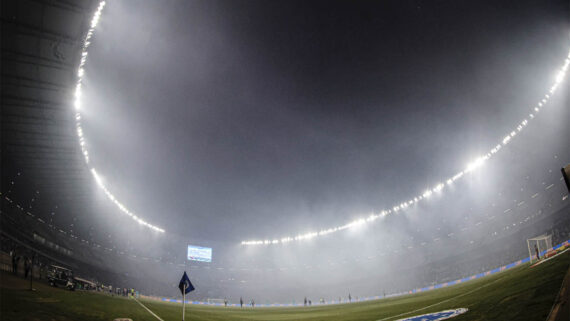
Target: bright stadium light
x: 478, y: 162
x: 560, y: 76
x: 472, y: 166
x: 79, y: 128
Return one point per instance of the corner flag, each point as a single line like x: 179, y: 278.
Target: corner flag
x: 185, y: 284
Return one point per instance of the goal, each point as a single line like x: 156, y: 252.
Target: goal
x: 542, y: 243
x: 215, y: 301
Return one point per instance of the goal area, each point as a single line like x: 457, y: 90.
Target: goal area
x: 538, y: 244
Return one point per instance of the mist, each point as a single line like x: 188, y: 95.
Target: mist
x: 222, y: 122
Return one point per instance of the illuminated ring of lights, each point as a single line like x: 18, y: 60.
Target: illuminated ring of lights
x: 437, y: 188
x: 77, y: 105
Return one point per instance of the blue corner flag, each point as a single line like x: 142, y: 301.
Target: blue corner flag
x: 185, y: 281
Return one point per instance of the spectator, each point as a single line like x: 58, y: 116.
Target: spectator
x: 13, y: 257
x: 16, y: 261
x: 27, y: 267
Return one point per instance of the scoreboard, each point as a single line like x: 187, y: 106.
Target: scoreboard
x: 199, y: 253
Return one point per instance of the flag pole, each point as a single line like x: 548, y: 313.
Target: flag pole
x: 183, y: 301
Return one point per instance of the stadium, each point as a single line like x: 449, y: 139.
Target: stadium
x: 285, y: 160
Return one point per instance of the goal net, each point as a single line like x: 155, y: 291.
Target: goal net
x: 538, y: 244
x: 216, y: 301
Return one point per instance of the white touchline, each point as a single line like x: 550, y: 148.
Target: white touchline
x: 438, y: 303
x: 142, y: 305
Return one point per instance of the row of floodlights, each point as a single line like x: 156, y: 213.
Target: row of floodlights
x: 437, y: 188
x: 79, y: 128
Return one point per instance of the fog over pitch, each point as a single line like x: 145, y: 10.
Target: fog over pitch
x: 235, y: 120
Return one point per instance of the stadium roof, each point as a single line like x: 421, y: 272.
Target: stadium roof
x: 41, y: 42
x: 41, y: 50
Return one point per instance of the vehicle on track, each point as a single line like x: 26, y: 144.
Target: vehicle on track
x: 59, y: 276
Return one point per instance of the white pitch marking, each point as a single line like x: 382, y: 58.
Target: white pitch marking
x: 438, y: 303
x: 548, y: 259
x: 142, y: 305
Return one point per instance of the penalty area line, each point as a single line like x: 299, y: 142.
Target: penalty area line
x: 142, y: 305
x: 441, y: 302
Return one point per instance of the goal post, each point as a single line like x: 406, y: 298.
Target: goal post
x: 539, y: 243
x: 215, y: 301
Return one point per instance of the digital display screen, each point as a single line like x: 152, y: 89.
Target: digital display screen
x: 199, y: 253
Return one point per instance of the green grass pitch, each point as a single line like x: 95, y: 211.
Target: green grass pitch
x: 521, y: 293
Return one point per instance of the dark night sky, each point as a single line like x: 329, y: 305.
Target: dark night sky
x: 254, y: 119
